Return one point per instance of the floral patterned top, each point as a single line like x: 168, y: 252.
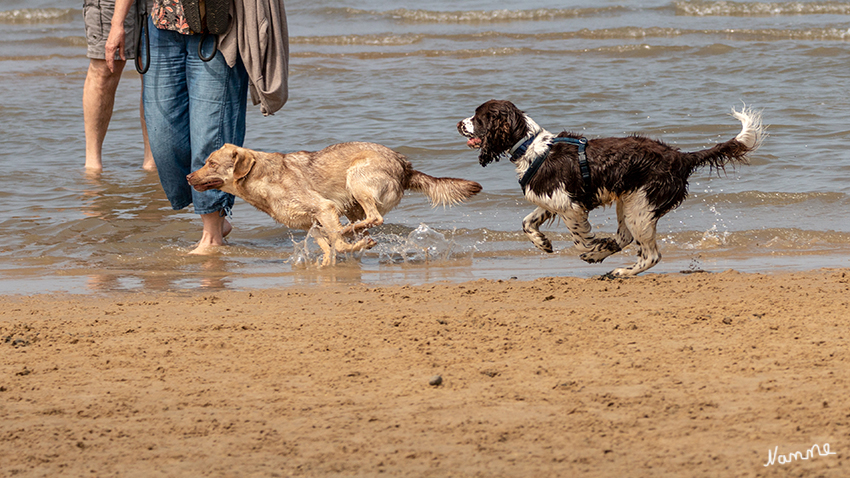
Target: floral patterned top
x: 168, y: 15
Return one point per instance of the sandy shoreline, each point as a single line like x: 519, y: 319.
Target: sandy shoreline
x: 661, y: 375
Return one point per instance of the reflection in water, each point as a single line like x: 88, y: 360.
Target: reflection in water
x: 214, y: 273
x: 108, y: 199
x: 134, y: 241
x: 200, y: 273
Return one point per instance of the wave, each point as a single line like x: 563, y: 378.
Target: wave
x: 48, y: 41
x: 700, y: 8
x: 769, y: 239
x: 38, y: 15
x: 489, y: 243
x: 773, y: 199
x: 682, y: 7
x: 386, y: 39
x: 631, y: 51
x: 737, y: 34
x: 474, y: 16
x: 461, y: 53
x: 621, y: 33
x: 49, y: 57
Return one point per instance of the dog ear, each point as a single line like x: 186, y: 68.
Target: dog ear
x: 505, y: 125
x: 495, y: 140
x: 243, y: 163
x: 489, y: 121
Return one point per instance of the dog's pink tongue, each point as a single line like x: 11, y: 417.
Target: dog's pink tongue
x: 474, y: 142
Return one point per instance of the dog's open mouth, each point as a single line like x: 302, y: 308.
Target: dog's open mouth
x: 211, y: 184
x: 474, y: 143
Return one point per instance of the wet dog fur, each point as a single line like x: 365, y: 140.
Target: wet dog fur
x: 361, y: 181
x: 644, y: 177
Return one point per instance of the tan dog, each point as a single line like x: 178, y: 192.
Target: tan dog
x: 361, y: 181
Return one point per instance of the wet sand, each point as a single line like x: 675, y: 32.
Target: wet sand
x: 662, y: 375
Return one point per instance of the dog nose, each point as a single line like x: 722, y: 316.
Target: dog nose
x: 465, y: 127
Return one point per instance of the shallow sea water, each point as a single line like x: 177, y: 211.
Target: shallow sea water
x: 402, y: 75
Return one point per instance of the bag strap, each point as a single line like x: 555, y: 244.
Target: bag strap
x: 214, y: 20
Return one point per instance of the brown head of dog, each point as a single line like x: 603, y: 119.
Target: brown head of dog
x: 494, y: 129
x: 223, y: 170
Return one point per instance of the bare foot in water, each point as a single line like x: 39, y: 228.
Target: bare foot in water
x: 216, y: 227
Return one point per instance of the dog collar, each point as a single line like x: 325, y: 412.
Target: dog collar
x: 521, y: 147
x: 535, y: 165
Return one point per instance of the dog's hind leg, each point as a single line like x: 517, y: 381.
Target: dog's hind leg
x: 642, y: 222
x: 531, y: 228
x: 328, y: 254
x: 375, y: 190
x: 373, y: 216
x: 592, y: 249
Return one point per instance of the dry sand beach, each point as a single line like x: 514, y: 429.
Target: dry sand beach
x: 704, y: 374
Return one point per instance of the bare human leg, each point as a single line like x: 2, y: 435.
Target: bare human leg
x: 216, y: 228
x: 148, y: 164
x: 98, y: 100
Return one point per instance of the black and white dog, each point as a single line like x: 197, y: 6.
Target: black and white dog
x: 567, y: 175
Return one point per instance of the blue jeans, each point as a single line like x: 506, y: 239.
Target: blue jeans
x: 192, y: 108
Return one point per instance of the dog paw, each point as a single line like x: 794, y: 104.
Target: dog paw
x: 607, y: 244
x: 622, y: 272
x: 615, y: 275
x: 370, y: 243
x: 595, y: 257
x: 543, y: 244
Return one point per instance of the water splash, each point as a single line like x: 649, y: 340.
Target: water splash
x: 429, y: 243
x: 712, y: 238
x: 302, y: 257
x: 718, y: 233
x: 423, y: 244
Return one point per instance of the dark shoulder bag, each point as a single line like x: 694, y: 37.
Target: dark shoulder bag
x: 207, y: 17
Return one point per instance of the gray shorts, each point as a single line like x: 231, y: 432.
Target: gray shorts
x: 97, y: 15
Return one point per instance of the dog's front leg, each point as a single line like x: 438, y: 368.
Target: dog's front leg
x: 328, y: 254
x: 332, y: 235
x: 624, y: 235
x: 531, y: 228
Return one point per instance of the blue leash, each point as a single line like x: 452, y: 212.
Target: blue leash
x: 532, y: 170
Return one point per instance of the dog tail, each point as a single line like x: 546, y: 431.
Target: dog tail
x: 735, y: 150
x: 442, y: 191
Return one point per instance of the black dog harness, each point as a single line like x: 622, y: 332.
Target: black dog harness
x: 535, y: 165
